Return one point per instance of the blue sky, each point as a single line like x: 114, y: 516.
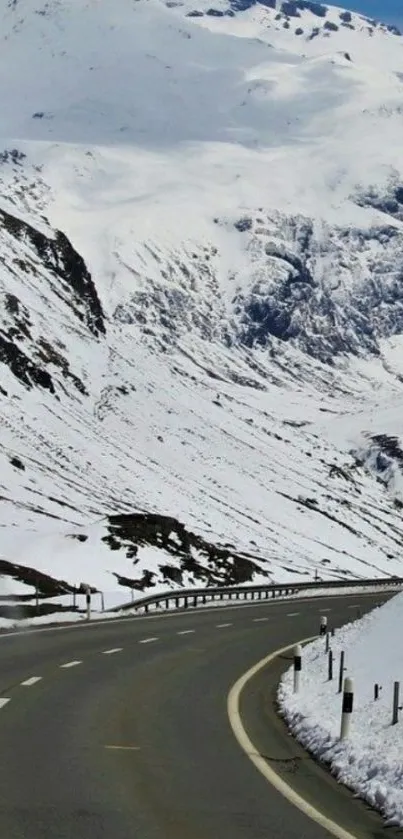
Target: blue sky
x: 386, y: 10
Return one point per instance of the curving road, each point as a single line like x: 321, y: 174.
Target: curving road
x: 119, y: 730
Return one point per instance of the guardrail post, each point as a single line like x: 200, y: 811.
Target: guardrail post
x: 347, y: 708
x: 327, y: 646
x: 297, y: 667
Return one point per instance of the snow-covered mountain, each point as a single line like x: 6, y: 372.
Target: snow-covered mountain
x: 201, y: 270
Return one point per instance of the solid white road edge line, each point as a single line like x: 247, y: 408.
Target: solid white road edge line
x: 70, y: 664
x: 32, y: 681
x: 114, y: 650
x: 3, y: 702
x: 233, y: 705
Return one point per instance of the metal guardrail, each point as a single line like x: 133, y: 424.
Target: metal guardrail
x: 193, y: 597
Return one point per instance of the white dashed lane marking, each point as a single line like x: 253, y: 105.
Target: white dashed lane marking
x: 186, y: 632
x: 324, y: 610
x: 148, y: 640
x: 70, y: 664
x: 3, y: 701
x: 114, y: 650
x: 222, y: 625
x: 32, y: 681
x: 292, y: 614
x: 259, y: 620
x: 124, y: 748
x: 356, y: 606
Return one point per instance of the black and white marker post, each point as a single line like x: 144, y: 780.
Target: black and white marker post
x: 297, y: 667
x: 323, y: 625
x: 347, y: 708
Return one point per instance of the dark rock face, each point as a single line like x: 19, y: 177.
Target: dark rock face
x: 389, y: 201
x: 330, y: 294
x: 330, y: 27
x: 34, y: 257
x: 394, y: 29
x: 243, y: 5
x: 64, y: 263
x: 216, y: 565
x: 292, y: 8
x: 324, y: 316
x: 243, y: 224
x: 23, y: 368
x: 390, y: 450
x: 12, y: 156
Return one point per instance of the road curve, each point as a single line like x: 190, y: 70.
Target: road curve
x: 120, y: 730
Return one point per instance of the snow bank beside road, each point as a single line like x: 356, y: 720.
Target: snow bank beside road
x: 370, y: 761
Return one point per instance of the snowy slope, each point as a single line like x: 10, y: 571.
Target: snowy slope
x: 369, y: 762
x: 201, y: 231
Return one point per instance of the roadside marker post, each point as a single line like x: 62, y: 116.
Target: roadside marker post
x: 297, y: 667
x: 88, y: 602
x: 341, y: 671
x: 396, y: 706
x: 347, y: 708
x: 330, y: 666
x: 377, y: 688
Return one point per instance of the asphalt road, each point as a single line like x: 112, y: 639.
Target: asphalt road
x: 131, y: 740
